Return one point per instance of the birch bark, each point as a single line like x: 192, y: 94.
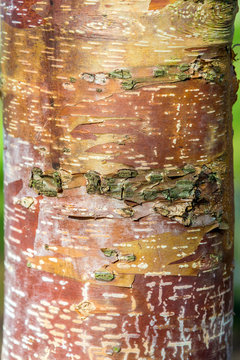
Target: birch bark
x: 118, y: 179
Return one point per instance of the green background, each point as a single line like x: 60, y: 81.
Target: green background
x: 236, y: 126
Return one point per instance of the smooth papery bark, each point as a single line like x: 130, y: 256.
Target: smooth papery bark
x: 118, y: 179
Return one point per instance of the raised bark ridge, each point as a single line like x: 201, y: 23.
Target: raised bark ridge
x: 118, y: 181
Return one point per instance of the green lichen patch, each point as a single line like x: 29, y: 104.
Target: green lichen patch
x: 66, y: 150
x: 160, y: 72
x: 129, y: 184
x: 149, y: 194
x: 162, y: 210
x: 127, y: 257
x: 154, y: 177
x: 116, y: 349
x: 191, y: 195
x: 109, y: 252
x: 110, y: 186
x: 120, y: 74
x: 127, y: 173
x: 183, y: 76
x: 208, y: 176
x: 196, y: 199
x: 121, y: 185
x: 182, y: 190
x: 104, y: 276
x: 211, y: 75
x: 45, y: 184
x: 196, y: 1
x: 184, y: 67
x: 212, y: 70
x: 129, y: 84
x: 93, y: 182
x: 126, y: 212
x: 189, y: 169
x: 214, y: 178
x: 180, y: 172
x: 223, y: 225
x: 130, y: 189
x: 175, y: 173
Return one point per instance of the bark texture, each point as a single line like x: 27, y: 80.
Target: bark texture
x: 118, y: 179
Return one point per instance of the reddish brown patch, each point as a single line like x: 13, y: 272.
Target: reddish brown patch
x: 159, y: 4
x: 20, y: 14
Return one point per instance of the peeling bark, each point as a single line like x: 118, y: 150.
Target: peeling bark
x: 118, y: 179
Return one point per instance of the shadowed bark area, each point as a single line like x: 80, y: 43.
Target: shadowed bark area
x: 118, y: 179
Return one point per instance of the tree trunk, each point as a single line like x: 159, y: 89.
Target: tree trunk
x: 118, y: 179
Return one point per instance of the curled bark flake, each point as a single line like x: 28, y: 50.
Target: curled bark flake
x: 45, y: 184
x: 26, y: 201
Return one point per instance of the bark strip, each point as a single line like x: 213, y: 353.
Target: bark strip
x: 118, y: 179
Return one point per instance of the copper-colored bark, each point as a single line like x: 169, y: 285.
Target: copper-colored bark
x: 118, y: 179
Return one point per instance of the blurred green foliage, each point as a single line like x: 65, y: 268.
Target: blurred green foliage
x: 236, y: 147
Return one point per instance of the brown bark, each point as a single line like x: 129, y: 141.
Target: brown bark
x: 118, y: 179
